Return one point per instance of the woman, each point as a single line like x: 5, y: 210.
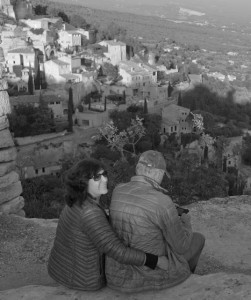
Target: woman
x: 84, y: 234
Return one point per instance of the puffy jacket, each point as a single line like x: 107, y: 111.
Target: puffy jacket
x: 147, y: 219
x: 83, y: 236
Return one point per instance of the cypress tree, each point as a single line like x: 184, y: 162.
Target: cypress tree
x: 30, y: 83
x: 169, y: 90
x: 38, y: 77
x: 145, y: 107
x: 179, y: 99
x: 70, y: 110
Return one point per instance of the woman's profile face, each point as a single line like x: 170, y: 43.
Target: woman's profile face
x: 97, y: 185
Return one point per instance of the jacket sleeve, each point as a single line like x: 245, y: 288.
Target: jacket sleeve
x: 100, y: 232
x: 177, y: 233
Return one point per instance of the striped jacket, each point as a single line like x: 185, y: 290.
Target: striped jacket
x: 83, y: 236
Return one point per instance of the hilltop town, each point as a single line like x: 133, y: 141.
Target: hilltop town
x: 67, y: 79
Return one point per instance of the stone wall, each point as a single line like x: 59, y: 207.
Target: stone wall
x: 10, y: 186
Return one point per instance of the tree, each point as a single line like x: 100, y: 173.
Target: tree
x: 40, y: 10
x: 145, y: 110
x: 44, y: 121
x: 38, y: 77
x: 30, y: 83
x: 110, y: 71
x: 78, y: 21
x: 70, y: 110
x: 63, y: 16
x: 118, y: 140
x: 169, y: 90
x: 179, y: 99
x: 246, y: 156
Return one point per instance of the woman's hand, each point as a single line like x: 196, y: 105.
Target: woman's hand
x: 163, y: 263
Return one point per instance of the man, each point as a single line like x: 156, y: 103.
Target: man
x: 144, y: 217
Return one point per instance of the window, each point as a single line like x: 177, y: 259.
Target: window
x: 229, y: 162
x: 171, y: 128
x: 86, y: 122
x: 51, y: 102
x: 175, y: 128
x: 58, y: 102
x: 43, y: 170
x: 36, y: 171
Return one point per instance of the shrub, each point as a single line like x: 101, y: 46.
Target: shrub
x: 43, y: 197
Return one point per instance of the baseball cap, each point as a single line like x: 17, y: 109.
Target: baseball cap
x: 153, y: 159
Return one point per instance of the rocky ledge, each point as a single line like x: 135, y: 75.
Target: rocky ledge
x: 224, y: 270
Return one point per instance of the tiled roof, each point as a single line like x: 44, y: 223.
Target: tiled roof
x: 22, y: 50
x: 60, y: 62
x: 134, y: 68
x: 34, y: 99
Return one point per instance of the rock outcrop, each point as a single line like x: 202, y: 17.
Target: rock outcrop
x: 223, y: 272
x: 10, y: 186
x: 218, y: 286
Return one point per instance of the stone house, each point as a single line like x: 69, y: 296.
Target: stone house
x: 89, y: 118
x: 55, y: 103
x: 69, y: 39
x: 24, y: 57
x: 175, y: 119
x: 137, y: 75
x: 55, y: 69
x: 116, y: 51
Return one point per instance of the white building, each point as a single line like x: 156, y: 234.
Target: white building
x: 24, y: 57
x: 69, y: 39
x: 116, y: 51
x: 137, y: 74
x: 55, y: 69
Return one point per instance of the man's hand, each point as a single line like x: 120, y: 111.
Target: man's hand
x: 163, y: 263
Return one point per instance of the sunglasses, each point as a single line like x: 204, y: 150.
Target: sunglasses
x: 97, y: 177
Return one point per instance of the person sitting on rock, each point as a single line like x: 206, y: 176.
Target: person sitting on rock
x: 145, y: 217
x: 84, y: 234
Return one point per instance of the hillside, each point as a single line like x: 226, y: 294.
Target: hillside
x: 152, y: 28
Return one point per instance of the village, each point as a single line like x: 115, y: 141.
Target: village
x: 46, y: 57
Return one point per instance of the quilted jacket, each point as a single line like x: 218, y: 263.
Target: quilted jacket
x: 147, y: 219
x: 83, y: 236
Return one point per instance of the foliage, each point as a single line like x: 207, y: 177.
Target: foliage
x: 78, y: 21
x: 246, y: 156
x: 40, y: 10
x: 221, y: 108
x: 37, y: 31
x: 70, y: 110
x: 44, y: 121
x: 191, y: 181
x: 27, y: 120
x: 110, y: 32
x: 43, y: 197
x: 64, y: 16
x: 110, y: 71
x: 30, y: 84
x: 102, y: 152
x: 119, y: 139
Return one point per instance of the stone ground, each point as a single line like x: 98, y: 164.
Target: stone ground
x: 25, y: 245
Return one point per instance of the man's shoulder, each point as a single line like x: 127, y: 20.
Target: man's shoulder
x: 131, y: 190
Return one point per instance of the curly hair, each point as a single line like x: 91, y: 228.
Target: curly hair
x: 76, y: 180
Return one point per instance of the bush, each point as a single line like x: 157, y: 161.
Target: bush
x: 43, y: 197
